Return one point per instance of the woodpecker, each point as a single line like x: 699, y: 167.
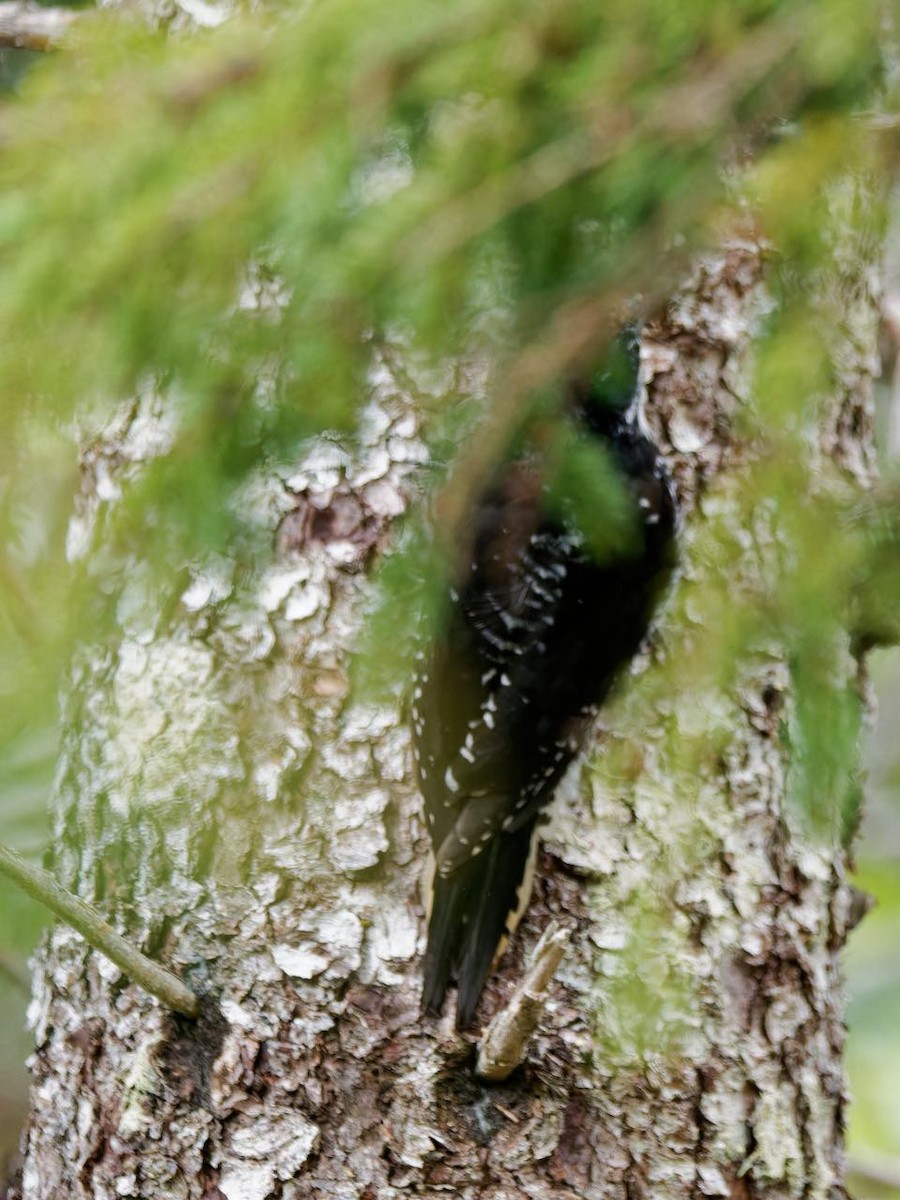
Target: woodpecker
x: 537, y: 630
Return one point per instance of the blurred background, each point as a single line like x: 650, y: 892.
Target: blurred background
x: 873, y: 956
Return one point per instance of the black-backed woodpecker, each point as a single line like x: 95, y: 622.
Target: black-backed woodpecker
x: 538, y: 630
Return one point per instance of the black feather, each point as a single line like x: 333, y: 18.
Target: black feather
x: 471, y: 914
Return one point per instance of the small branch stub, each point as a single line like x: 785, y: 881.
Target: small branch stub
x: 98, y: 933
x: 503, y: 1043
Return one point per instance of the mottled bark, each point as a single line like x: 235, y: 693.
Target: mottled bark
x: 220, y: 801
x: 26, y: 26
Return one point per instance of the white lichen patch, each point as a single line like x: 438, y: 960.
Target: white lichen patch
x: 333, y: 945
x: 113, y: 452
x: 167, y: 722
x: 210, y: 585
x: 301, y: 962
x: 141, y: 1083
x: 391, y: 941
x: 246, y: 1180
x: 278, y: 583
x: 779, y: 1154
x: 359, y: 837
x: 262, y: 1147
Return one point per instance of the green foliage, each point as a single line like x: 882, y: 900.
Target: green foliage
x: 585, y: 489
x: 519, y: 126
x: 486, y: 178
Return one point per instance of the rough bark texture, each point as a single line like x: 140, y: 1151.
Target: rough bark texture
x: 223, y: 805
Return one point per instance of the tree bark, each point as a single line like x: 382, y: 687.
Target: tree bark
x: 26, y: 26
x: 228, y: 809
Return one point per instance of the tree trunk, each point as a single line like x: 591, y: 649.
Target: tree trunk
x: 222, y: 803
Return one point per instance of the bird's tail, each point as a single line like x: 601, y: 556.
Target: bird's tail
x: 473, y: 912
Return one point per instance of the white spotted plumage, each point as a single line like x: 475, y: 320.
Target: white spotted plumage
x: 536, y: 632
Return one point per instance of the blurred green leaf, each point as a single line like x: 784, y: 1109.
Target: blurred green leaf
x: 233, y: 220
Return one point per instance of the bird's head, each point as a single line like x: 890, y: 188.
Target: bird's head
x: 605, y: 398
